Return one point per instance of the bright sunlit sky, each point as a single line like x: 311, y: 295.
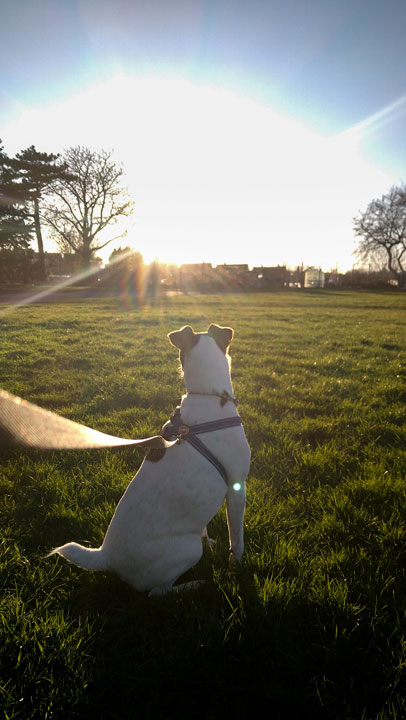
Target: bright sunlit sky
x: 249, y: 132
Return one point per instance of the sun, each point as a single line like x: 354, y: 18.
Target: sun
x: 216, y: 176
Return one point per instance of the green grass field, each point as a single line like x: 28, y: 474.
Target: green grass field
x: 312, y: 624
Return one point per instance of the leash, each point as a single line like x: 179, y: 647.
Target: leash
x: 175, y: 428
x: 25, y: 425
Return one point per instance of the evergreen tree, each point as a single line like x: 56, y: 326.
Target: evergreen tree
x: 15, y: 228
x: 37, y: 171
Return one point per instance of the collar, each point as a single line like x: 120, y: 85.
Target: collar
x: 224, y: 396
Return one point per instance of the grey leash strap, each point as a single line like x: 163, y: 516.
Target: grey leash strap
x: 25, y: 425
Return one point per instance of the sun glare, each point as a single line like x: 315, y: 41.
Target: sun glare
x: 216, y: 177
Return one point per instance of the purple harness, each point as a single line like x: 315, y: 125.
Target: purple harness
x: 175, y: 428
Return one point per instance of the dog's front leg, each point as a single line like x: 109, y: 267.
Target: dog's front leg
x: 235, y: 506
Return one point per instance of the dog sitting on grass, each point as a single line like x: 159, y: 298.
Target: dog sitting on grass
x: 156, y: 532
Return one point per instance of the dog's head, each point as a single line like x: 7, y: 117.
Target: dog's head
x: 203, y: 356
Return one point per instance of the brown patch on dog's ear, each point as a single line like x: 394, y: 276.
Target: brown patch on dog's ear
x: 222, y: 335
x: 184, y: 339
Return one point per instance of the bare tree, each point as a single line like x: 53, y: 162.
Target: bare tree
x: 88, y: 203
x: 382, y: 228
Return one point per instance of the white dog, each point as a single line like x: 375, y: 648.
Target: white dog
x: 156, y: 532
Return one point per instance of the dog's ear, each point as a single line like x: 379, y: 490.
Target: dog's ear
x: 222, y: 336
x: 184, y: 339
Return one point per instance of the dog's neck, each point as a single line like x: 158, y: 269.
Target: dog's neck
x: 206, y: 369
x: 206, y: 372
x: 199, y: 407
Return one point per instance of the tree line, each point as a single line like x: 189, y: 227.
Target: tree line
x: 77, y: 196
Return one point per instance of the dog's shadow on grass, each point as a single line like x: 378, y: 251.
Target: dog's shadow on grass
x: 194, y: 644
x: 103, y: 594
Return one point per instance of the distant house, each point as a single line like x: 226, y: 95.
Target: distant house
x: 271, y: 277
x: 233, y: 276
x: 60, y: 263
x: 236, y: 269
x: 296, y: 277
x: 314, y: 278
x: 333, y: 278
x: 196, y: 276
x: 196, y: 270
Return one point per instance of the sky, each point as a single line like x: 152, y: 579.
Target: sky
x: 249, y: 132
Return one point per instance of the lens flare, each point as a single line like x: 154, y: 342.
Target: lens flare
x: 85, y: 274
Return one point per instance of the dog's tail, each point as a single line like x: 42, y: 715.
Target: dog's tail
x: 87, y: 558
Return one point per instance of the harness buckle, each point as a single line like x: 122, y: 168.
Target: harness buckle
x: 183, y: 430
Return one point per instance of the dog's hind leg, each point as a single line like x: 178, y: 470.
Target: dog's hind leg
x: 185, y: 587
x: 171, y: 588
x: 186, y: 551
x: 206, y: 537
x: 162, y: 589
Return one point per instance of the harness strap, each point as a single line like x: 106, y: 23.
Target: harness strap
x: 175, y: 428
x: 214, y: 425
x: 204, y: 450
